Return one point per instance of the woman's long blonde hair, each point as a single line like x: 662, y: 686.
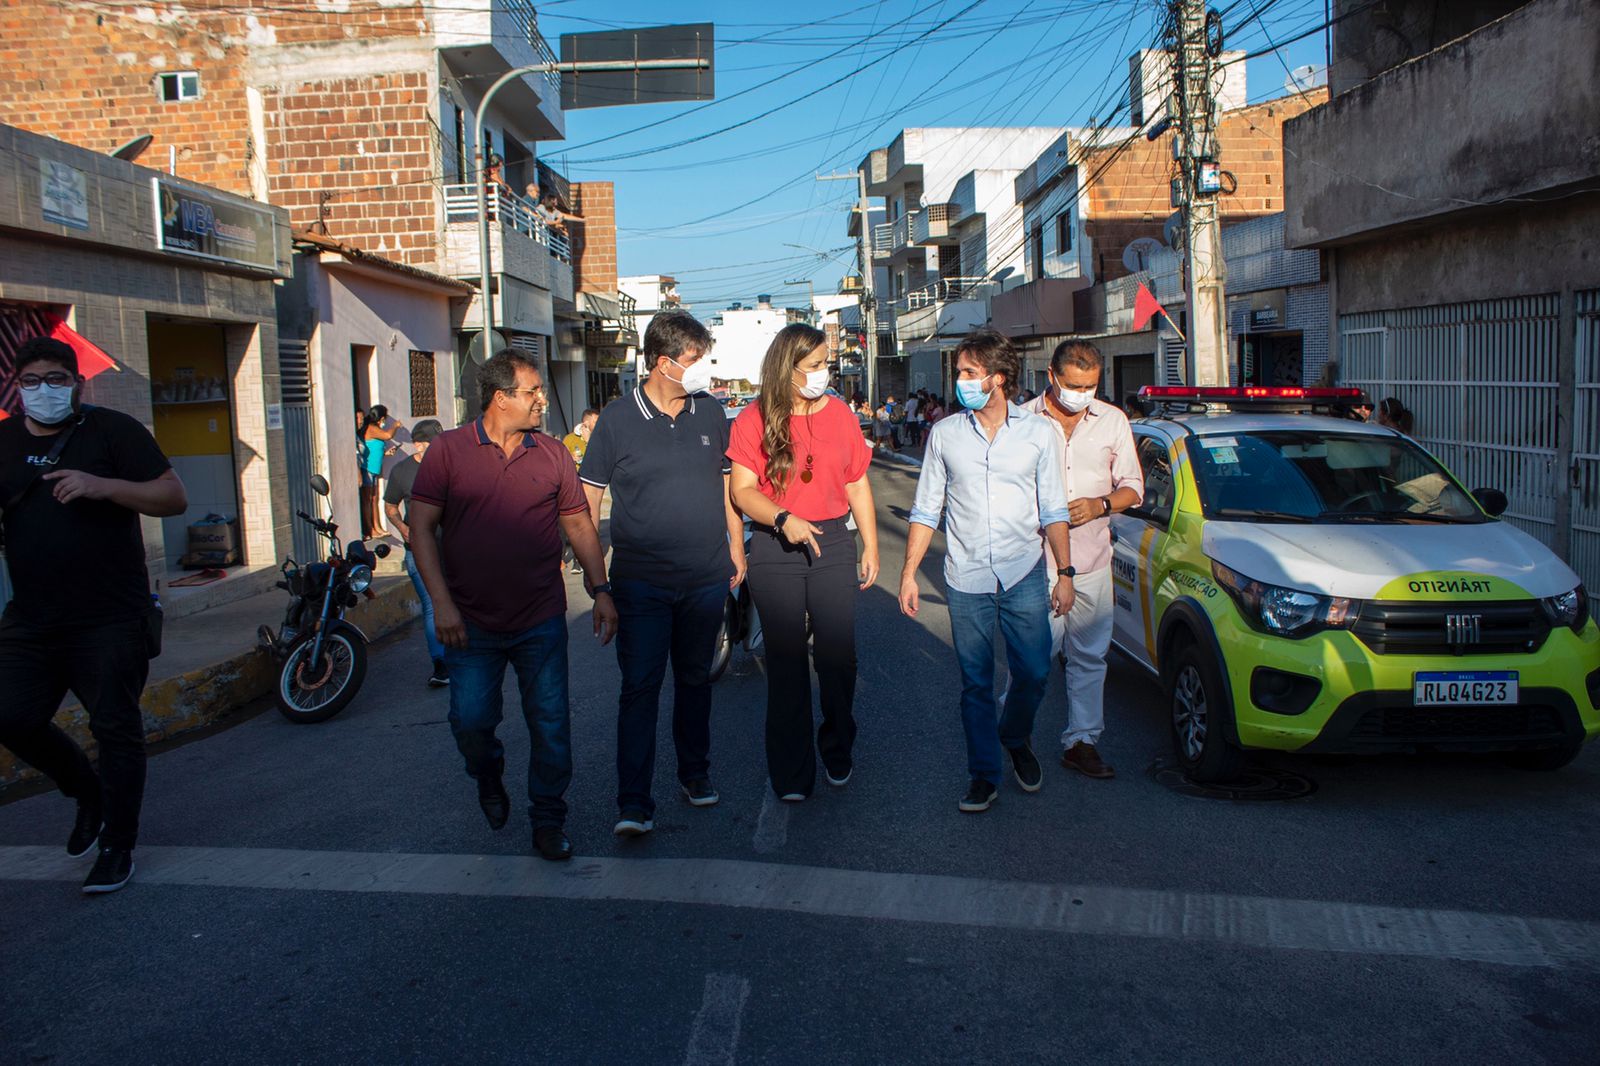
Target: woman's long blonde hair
x: 793, y: 343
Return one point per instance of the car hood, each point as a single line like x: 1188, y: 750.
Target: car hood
x: 1482, y: 561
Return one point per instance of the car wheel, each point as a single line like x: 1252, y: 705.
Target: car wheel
x: 1199, y: 714
x: 1544, y: 758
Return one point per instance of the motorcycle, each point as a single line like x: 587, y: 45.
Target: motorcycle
x: 741, y: 624
x: 324, y: 657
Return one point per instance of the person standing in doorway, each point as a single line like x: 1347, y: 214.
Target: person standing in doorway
x: 74, y: 481
x: 677, y: 550
x: 485, y: 510
x: 1103, y: 478
x: 376, y: 433
x: 397, y: 508
x: 994, y: 473
x: 799, y: 469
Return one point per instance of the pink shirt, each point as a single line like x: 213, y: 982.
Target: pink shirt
x: 1099, y: 458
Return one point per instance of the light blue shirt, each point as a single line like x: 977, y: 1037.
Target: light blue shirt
x: 995, y: 495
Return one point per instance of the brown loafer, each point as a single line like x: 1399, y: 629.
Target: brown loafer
x: 1083, y: 758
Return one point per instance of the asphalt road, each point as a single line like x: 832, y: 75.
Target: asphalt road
x: 331, y: 894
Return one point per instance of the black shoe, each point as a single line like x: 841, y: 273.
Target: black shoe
x: 1026, y: 767
x: 980, y: 795
x: 111, y: 871
x: 700, y: 793
x: 550, y: 842
x: 493, y: 799
x: 440, y: 676
x: 86, y: 829
x: 633, y: 823
x: 837, y: 778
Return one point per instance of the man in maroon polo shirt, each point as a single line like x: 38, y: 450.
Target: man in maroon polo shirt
x: 487, y: 512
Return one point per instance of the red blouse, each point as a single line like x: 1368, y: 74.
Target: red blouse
x: 831, y: 437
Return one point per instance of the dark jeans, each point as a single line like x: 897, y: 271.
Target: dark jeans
x: 789, y: 586
x: 1023, y: 614
x: 435, y: 648
x: 477, y: 677
x: 105, y: 667
x: 653, y: 624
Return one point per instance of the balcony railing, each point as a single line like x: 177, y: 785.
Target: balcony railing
x: 882, y: 240
x: 506, y: 207
x: 522, y: 14
x: 945, y: 290
x: 902, y: 229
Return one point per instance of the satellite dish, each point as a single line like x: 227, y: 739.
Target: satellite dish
x: 1306, y: 77
x: 1172, y: 231
x: 133, y: 149
x: 1136, y: 256
x: 497, y: 342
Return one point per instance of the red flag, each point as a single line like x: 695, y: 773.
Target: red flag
x: 1145, y: 307
x: 91, y: 360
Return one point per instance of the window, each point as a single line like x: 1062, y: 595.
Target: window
x: 1158, y: 483
x: 461, y: 145
x: 424, y: 389
x: 1064, y: 233
x: 179, y: 86
x: 1037, y: 239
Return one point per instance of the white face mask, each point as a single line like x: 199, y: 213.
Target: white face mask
x: 1074, y: 400
x: 48, y: 405
x: 696, y: 378
x: 816, y: 383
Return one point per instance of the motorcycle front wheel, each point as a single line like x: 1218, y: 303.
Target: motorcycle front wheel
x: 309, y: 692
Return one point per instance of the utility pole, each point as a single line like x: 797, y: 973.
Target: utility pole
x: 869, y: 314
x: 1196, y: 39
x: 811, y: 298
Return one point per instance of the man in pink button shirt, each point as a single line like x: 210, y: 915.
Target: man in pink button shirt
x: 1102, y: 478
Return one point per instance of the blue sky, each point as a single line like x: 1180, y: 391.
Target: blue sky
x: 875, y: 66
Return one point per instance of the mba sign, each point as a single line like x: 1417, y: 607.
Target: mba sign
x: 195, y: 223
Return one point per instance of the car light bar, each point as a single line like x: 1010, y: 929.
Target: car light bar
x: 1227, y: 393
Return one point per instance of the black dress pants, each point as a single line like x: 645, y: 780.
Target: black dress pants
x: 789, y: 587
x: 105, y: 666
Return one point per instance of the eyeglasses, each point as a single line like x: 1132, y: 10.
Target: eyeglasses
x: 537, y: 390
x: 56, y: 380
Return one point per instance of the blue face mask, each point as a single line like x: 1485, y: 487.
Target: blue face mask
x: 48, y: 405
x: 972, y: 394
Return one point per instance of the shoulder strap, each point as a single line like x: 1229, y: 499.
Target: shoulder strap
x: 52, y: 457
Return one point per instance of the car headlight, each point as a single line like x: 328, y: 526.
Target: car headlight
x: 360, y: 577
x: 1285, y: 612
x: 1569, y: 609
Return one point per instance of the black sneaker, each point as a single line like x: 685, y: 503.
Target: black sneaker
x: 633, y: 823
x: 86, y: 829
x: 440, y: 676
x: 980, y: 795
x: 494, y: 800
x: 700, y: 793
x: 1026, y: 767
x: 837, y: 778
x: 111, y: 871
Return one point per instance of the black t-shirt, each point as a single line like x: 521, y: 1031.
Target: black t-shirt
x: 80, y: 563
x: 398, y: 490
x: 669, y: 520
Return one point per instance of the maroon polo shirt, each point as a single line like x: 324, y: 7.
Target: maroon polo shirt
x: 499, y: 538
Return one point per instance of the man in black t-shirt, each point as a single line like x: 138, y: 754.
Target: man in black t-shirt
x: 397, y: 495
x: 73, y: 482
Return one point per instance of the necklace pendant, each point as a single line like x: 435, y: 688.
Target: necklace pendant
x: 805, y: 476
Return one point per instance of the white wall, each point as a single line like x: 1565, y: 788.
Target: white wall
x: 742, y: 340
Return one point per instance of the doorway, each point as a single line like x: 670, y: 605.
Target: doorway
x: 1272, y: 359
x: 191, y: 392
x: 1130, y: 373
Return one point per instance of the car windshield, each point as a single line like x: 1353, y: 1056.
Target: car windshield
x: 1316, y: 476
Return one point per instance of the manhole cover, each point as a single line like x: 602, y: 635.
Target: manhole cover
x: 1253, y: 783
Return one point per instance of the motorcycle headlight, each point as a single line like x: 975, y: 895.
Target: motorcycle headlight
x: 1569, y: 609
x: 360, y: 577
x: 1285, y: 612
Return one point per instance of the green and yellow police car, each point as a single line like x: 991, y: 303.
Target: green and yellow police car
x: 1305, y: 582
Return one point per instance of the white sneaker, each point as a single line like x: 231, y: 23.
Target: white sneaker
x: 633, y: 824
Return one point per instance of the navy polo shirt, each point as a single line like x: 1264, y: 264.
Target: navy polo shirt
x: 669, y: 522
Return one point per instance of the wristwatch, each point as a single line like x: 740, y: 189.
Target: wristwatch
x: 1107, y: 501
x: 779, y: 519
x: 604, y: 586
x: 1068, y: 572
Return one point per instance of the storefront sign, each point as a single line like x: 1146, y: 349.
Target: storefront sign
x: 63, y: 194
x: 1264, y: 318
x: 195, y: 223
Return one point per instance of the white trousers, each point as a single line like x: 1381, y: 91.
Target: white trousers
x: 1083, y: 638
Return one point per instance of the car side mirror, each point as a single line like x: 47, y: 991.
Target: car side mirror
x: 1493, y: 501
x: 319, y: 484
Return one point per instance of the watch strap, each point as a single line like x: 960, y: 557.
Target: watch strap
x: 1067, y: 571
x: 779, y: 519
x: 604, y: 586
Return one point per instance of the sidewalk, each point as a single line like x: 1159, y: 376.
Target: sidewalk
x: 211, y: 666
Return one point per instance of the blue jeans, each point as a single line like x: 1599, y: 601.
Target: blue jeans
x: 435, y: 649
x: 653, y: 624
x: 477, y: 677
x: 1023, y: 612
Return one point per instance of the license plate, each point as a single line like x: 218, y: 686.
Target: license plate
x: 1474, y: 687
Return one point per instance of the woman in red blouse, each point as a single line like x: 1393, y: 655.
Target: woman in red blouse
x: 799, y: 468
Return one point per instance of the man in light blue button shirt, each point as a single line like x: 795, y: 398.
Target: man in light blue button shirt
x: 994, y: 472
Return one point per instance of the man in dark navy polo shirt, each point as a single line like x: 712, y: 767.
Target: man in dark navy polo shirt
x: 678, y: 547
x: 499, y: 493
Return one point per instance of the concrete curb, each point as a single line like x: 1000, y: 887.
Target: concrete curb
x: 896, y: 457
x: 181, y: 704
